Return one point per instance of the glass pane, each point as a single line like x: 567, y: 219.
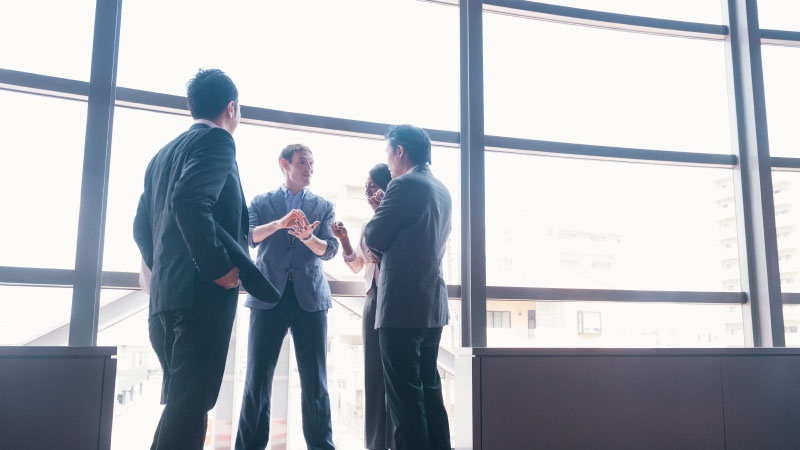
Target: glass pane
x: 781, y: 65
x: 607, y: 225
x: 34, y: 315
x: 123, y: 323
x: 341, y: 165
x: 791, y: 323
x: 318, y: 57
x: 584, y: 85
x: 40, y: 176
x: 779, y: 15
x: 705, y: 11
x: 618, y: 324
x: 48, y: 37
x: 786, y: 186
x: 346, y: 375
x: 138, y: 135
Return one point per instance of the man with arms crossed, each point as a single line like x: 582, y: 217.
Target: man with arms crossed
x: 191, y: 187
x: 292, y: 229
x: 410, y: 230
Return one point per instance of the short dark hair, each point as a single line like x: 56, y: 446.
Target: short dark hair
x: 209, y: 93
x: 288, y: 152
x: 414, y: 140
x: 381, y: 175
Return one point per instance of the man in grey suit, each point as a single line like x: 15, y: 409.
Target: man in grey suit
x: 410, y: 230
x: 292, y: 229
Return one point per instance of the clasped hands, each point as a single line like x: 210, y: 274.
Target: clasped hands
x: 297, y: 223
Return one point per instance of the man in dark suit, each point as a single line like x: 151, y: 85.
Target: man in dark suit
x: 410, y: 230
x: 292, y: 229
x: 192, y: 187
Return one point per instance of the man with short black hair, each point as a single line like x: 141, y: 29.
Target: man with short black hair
x: 191, y: 188
x: 409, y: 230
x: 292, y: 229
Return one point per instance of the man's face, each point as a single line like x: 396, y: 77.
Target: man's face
x: 300, y: 168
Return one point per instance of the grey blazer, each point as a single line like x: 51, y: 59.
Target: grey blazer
x: 281, y: 253
x: 410, y: 230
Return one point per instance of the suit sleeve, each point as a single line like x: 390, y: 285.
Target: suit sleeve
x: 391, y: 215
x: 196, y: 192
x: 143, y: 233
x: 326, y: 234
x: 255, y: 220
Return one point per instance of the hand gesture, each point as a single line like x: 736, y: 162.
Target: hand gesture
x: 339, y: 230
x: 288, y: 221
x: 376, y: 199
x: 230, y: 280
x: 302, y: 229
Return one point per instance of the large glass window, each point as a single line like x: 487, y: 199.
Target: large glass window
x: 705, y: 11
x: 559, y: 222
x: 791, y: 324
x: 779, y: 15
x: 786, y: 188
x: 782, y: 92
x: 34, y: 315
x: 48, y: 37
x: 40, y: 177
x: 584, y: 85
x: 355, y: 59
x: 616, y: 324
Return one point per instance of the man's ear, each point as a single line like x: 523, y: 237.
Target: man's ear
x: 284, y: 164
x: 231, y: 109
x: 400, y: 151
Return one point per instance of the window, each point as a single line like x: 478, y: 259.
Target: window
x: 551, y: 315
x: 40, y: 177
x: 569, y: 83
x: 778, y: 15
x: 314, y: 57
x: 589, y: 322
x: 706, y: 11
x: 34, y: 315
x: 651, y: 224
x: 622, y: 324
x: 498, y: 319
x: 48, y: 37
x: 782, y: 95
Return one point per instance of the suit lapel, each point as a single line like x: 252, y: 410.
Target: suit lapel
x: 308, y: 205
x: 278, y: 203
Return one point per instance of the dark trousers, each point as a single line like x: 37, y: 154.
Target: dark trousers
x: 378, y: 429
x: 191, y: 345
x: 413, y: 387
x: 267, y: 330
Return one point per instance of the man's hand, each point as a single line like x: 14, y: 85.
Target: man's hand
x: 230, y: 280
x: 376, y: 199
x: 302, y: 229
x: 288, y: 221
x: 339, y: 230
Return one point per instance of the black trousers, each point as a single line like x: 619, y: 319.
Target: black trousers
x: 413, y: 387
x: 268, y: 327
x: 378, y: 429
x: 191, y: 345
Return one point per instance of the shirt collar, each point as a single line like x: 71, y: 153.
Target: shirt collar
x: 286, y: 191
x: 206, y: 122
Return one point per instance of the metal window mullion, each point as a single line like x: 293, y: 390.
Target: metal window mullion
x: 473, y: 186
x: 758, y: 250
x: 94, y: 181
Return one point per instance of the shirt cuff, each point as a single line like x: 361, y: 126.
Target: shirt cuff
x: 350, y: 258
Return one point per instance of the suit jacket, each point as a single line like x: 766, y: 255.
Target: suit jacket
x: 281, y: 253
x: 191, y: 187
x: 410, y: 230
